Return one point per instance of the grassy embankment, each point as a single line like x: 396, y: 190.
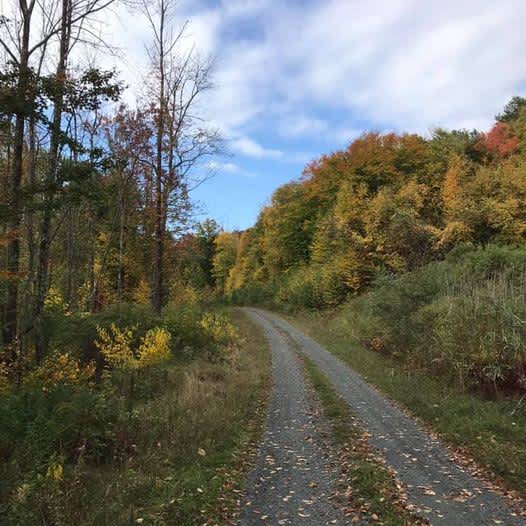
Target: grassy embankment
x: 447, y: 342
x: 170, y: 448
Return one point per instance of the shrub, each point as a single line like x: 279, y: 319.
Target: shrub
x: 465, y: 315
x: 154, y: 348
x: 115, y: 346
x: 220, y: 333
x: 59, y: 369
x: 254, y: 293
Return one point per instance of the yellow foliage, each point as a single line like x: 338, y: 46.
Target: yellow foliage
x: 55, y: 301
x: 218, y: 328
x: 55, y: 471
x: 454, y: 233
x: 59, y: 368
x: 115, y: 345
x: 412, y: 196
x: 224, y: 258
x: 236, y: 277
x: 453, y: 191
x: 351, y: 206
x: 142, y: 293
x: 155, y: 347
x: 4, y: 378
x: 186, y: 294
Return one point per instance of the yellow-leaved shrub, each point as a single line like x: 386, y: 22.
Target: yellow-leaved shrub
x: 4, y: 378
x: 116, y: 346
x: 218, y: 328
x: 155, y: 347
x: 54, y: 301
x: 59, y: 368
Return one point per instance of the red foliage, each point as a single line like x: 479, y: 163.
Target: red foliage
x: 499, y: 142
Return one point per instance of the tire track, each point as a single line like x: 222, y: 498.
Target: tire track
x: 294, y: 476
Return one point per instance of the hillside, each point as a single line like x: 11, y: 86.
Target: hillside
x: 357, y: 354
x: 431, y: 229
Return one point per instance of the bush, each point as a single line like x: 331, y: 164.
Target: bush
x: 66, y: 421
x: 313, y: 287
x: 465, y: 315
x: 254, y: 293
x: 62, y: 421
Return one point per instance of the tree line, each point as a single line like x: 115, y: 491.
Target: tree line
x: 386, y: 204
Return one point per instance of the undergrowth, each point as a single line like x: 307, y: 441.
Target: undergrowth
x: 145, y: 440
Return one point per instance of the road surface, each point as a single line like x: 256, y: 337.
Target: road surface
x: 292, y: 480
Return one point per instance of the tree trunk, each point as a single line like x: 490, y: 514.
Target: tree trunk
x: 10, y: 329
x: 158, y: 281
x: 42, y: 281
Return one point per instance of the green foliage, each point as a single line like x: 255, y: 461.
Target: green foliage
x: 512, y: 110
x: 287, y: 229
x: 64, y: 428
x: 316, y: 286
x: 463, y: 318
x: 491, y: 431
x: 254, y: 293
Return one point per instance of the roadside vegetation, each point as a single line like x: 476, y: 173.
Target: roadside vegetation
x: 142, y: 439
x: 126, y: 396
x: 488, y: 432
x: 462, y: 319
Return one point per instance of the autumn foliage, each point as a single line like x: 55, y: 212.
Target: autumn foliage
x: 388, y: 203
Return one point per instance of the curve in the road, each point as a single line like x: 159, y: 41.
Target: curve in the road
x: 436, y: 485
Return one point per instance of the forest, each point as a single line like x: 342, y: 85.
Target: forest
x: 95, y: 308
x: 426, y: 233
x: 121, y: 357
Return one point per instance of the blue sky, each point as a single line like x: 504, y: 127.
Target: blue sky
x: 295, y: 79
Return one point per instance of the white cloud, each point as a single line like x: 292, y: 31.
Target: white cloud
x: 250, y: 148
x: 345, y: 136
x: 297, y: 126
x: 398, y: 64
x: 408, y: 64
x: 227, y: 167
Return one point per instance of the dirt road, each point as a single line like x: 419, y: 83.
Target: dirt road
x: 292, y: 481
x: 293, y: 477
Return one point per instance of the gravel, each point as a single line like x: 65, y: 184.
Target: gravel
x: 440, y: 489
x: 294, y: 475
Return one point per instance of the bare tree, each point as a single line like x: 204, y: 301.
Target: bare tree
x: 179, y: 79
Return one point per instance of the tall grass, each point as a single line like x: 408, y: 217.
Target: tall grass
x: 449, y: 342
x: 463, y: 318
x: 492, y: 431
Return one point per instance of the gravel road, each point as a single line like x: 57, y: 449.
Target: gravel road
x: 292, y: 481
x: 443, y: 491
